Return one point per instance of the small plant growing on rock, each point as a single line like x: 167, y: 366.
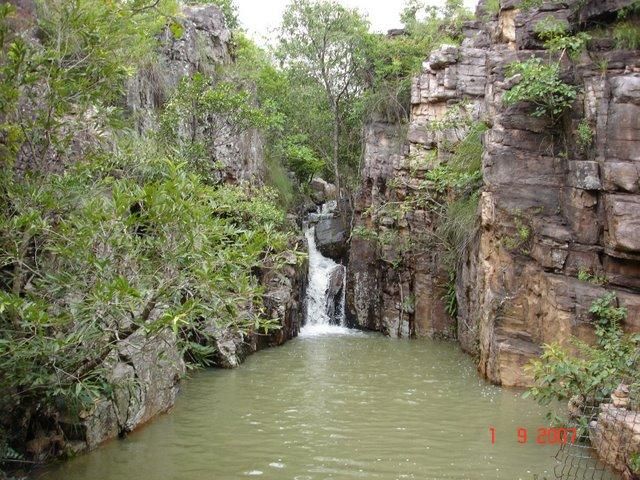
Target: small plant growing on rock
x: 557, y: 38
x: 365, y: 233
x: 449, y: 298
x: 550, y: 27
x: 586, y: 275
x: 540, y: 84
x: 605, y: 313
x: 584, y: 135
x: 627, y: 35
x: 492, y: 7
x: 409, y: 303
x: 530, y: 4
x: 522, y: 236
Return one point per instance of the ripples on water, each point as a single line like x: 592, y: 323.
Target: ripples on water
x: 332, y: 404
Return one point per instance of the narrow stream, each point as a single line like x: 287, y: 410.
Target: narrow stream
x: 333, y: 403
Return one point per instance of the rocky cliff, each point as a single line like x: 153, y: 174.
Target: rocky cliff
x: 146, y: 368
x: 202, y: 45
x: 556, y: 222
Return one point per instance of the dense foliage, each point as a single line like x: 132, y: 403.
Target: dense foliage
x: 106, y: 234
x: 591, y: 372
x: 324, y: 43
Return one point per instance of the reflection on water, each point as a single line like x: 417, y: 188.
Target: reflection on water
x: 333, y: 406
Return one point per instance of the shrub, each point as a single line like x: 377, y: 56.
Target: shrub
x: 597, y: 370
x: 449, y: 298
x: 634, y: 462
x: 550, y: 27
x: 530, y: 4
x: 300, y: 158
x: 202, y: 115
x: 492, y: 6
x: 586, y: 275
x: 540, y: 85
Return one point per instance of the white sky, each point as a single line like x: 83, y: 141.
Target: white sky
x: 260, y: 17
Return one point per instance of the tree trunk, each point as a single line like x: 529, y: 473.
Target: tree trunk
x: 336, y: 144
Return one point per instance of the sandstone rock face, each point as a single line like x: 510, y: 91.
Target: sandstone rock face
x: 576, y: 205
x: 579, y: 208
x: 407, y: 299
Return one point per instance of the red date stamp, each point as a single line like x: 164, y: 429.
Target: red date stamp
x: 543, y: 436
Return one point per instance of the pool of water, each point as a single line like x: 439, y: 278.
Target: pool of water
x: 333, y: 404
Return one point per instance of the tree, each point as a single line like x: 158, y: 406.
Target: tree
x: 326, y: 42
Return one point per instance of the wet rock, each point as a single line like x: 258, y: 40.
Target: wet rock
x: 334, y: 294
x: 363, y: 289
x: 331, y: 237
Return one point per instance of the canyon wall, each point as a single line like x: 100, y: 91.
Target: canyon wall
x: 146, y: 368
x: 549, y: 209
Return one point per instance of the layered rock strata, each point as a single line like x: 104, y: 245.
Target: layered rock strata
x: 549, y: 208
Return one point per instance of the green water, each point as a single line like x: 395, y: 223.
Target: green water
x: 333, y: 406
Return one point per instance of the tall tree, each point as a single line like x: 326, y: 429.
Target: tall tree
x: 326, y: 43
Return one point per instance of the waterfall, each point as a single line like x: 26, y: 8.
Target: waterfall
x: 326, y: 289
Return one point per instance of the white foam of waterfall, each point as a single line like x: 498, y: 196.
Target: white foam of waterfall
x: 320, y: 268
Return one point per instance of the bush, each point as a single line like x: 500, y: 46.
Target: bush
x: 550, y: 27
x: 202, y: 115
x: 540, y: 85
x: 301, y: 159
x: 597, y: 370
x: 147, y: 236
x: 123, y: 234
x: 492, y: 7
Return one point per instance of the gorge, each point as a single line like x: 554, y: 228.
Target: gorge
x: 170, y: 214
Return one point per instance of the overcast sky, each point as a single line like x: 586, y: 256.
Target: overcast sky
x: 259, y: 17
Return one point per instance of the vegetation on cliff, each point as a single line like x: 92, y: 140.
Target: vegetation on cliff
x: 591, y: 372
x: 106, y: 233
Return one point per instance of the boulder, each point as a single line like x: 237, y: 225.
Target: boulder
x: 146, y: 371
x: 331, y: 237
x: 616, y: 435
x: 322, y: 191
x: 231, y: 348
